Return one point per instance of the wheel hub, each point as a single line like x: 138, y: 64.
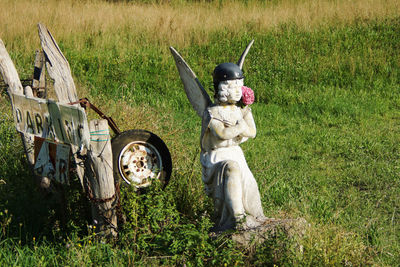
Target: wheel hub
x: 140, y: 162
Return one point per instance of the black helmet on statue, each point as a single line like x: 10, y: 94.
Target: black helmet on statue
x: 225, y: 72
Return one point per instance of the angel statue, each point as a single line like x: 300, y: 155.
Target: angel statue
x: 225, y: 124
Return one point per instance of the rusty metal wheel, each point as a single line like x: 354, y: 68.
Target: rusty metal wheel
x: 140, y: 157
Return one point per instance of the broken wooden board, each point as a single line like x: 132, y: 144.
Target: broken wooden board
x: 57, y: 67
x: 8, y: 71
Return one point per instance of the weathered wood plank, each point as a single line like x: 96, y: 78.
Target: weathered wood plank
x: 57, y: 67
x: 11, y: 78
x: 28, y: 143
x: 39, y: 80
x: 8, y: 71
x: 100, y: 181
x: 28, y: 91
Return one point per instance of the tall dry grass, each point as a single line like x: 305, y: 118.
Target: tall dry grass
x: 177, y: 23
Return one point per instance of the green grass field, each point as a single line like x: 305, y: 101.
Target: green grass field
x: 328, y: 131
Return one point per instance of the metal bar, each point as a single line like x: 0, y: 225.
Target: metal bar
x: 85, y: 103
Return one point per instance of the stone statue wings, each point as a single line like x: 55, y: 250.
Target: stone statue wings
x: 195, y: 92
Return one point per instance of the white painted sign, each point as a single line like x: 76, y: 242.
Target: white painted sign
x: 50, y: 120
x: 52, y: 160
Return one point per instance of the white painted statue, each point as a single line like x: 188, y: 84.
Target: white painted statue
x: 225, y: 124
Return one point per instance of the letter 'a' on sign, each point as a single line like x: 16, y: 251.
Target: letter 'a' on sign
x: 52, y: 160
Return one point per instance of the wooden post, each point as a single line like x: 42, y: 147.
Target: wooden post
x: 100, y: 184
x: 10, y: 74
x: 11, y: 78
x: 39, y: 81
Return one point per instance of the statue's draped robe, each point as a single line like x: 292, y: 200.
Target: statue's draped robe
x: 214, y: 157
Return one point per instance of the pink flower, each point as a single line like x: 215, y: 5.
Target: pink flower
x: 247, y: 95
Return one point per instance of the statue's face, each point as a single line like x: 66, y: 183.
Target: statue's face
x: 230, y: 91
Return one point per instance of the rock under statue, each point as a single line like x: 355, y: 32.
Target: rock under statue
x: 226, y: 124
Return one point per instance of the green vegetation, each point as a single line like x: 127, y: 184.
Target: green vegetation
x: 327, y: 149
